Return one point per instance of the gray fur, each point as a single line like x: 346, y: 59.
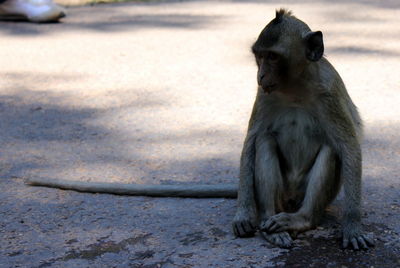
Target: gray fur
x: 303, y: 144
x: 199, y: 191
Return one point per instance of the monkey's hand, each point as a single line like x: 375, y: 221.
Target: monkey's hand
x: 353, y: 237
x: 285, y: 222
x: 282, y: 239
x: 244, y: 224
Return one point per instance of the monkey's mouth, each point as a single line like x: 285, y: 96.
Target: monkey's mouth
x: 269, y: 88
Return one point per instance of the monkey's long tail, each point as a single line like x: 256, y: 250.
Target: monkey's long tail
x: 192, y: 190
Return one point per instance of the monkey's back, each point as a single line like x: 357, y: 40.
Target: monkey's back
x: 335, y: 87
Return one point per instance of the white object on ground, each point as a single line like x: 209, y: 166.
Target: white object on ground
x: 32, y: 10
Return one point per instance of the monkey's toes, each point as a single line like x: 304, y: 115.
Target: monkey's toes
x: 275, y: 224
x: 243, y: 228
x: 358, y: 242
x: 267, y: 226
x: 282, y: 239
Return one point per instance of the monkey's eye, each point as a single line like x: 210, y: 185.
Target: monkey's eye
x: 272, y: 56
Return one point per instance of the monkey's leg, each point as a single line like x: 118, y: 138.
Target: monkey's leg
x: 268, y: 188
x: 323, y: 185
x: 244, y: 222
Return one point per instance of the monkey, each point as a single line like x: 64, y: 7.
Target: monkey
x: 302, y: 143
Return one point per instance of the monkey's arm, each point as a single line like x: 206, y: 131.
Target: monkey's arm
x: 343, y: 136
x: 244, y: 222
x: 351, y: 172
x: 192, y: 190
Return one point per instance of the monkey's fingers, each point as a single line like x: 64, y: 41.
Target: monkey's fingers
x: 282, y: 239
x: 273, y: 227
x: 279, y: 227
x: 345, y: 242
x: 235, y: 231
x: 354, y: 243
x: 362, y: 243
x: 243, y: 229
x: 247, y: 227
x: 286, y: 240
x: 369, y: 240
x: 267, y: 225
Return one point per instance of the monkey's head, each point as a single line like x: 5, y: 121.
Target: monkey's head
x: 283, y: 50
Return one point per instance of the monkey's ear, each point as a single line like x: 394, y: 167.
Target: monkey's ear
x: 314, y: 45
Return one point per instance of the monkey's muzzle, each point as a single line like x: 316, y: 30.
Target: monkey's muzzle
x: 269, y: 88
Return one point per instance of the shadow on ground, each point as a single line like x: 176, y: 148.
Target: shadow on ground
x: 111, y: 18
x: 390, y: 4
x: 48, y: 134
x: 114, y: 17
x: 36, y: 126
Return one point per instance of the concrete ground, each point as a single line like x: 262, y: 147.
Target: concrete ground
x: 161, y: 92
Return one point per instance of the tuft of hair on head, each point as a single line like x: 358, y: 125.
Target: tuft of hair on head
x: 279, y: 13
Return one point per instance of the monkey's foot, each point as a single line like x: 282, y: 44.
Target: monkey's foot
x: 356, y: 240
x: 243, y: 225
x: 285, y: 222
x: 282, y: 239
